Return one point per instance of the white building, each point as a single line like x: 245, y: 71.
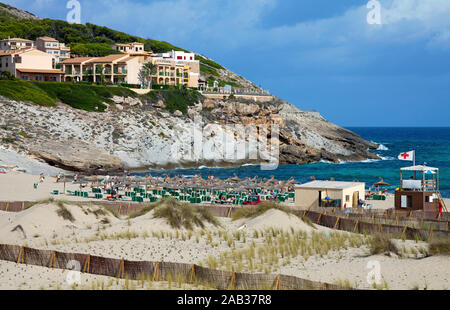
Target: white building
x: 185, y: 59
x: 321, y: 193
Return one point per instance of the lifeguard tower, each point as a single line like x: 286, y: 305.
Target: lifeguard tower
x: 419, y: 190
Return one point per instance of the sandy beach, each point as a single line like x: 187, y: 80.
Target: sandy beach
x: 95, y: 231
x: 17, y: 186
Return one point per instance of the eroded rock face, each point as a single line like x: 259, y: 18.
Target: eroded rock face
x: 136, y: 135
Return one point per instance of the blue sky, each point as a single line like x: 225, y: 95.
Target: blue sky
x: 316, y: 54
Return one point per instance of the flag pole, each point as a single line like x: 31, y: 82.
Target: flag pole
x: 414, y: 157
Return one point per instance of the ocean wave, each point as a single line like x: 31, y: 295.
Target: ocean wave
x: 250, y: 165
x: 382, y: 147
x: 206, y: 167
x: 366, y: 161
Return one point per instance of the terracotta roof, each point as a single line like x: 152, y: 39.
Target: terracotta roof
x: 127, y: 59
x: 48, y: 39
x: 16, y: 39
x: 122, y: 44
x: 77, y: 60
x: 109, y: 58
x: 14, y: 52
x: 40, y: 71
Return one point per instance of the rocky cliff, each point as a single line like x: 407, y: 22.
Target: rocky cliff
x: 134, y: 133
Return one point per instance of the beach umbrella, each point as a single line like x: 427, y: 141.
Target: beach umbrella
x: 381, y: 183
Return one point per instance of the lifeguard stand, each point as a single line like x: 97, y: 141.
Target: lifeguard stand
x: 419, y: 189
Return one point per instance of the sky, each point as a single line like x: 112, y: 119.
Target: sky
x: 319, y: 55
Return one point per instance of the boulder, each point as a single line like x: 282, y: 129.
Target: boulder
x: 178, y: 113
x: 117, y: 99
x: 247, y: 109
x: 160, y: 104
x: 208, y: 104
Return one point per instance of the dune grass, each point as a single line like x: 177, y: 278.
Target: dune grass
x: 439, y: 247
x: 64, y: 212
x: 180, y: 214
x: 380, y: 243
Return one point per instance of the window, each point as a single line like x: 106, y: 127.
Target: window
x: 55, y: 52
x: 180, y: 57
x: 38, y: 78
x: 55, y: 44
x: 48, y: 44
x: 25, y: 77
x: 63, y: 53
x: 191, y: 58
x: 49, y: 52
x: 347, y: 198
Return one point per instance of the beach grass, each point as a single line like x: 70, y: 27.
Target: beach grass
x: 439, y: 247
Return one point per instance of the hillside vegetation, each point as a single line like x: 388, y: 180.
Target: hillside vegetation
x: 84, y: 97
x: 85, y: 40
x: 91, y: 97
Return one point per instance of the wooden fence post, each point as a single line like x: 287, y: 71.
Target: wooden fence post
x: 23, y: 205
x: 230, y: 212
x: 356, y: 226
x: 320, y: 216
x: 431, y: 232
x: 404, y: 230
x: 191, y: 277
x: 121, y: 272
x: 156, y: 272
x: 373, y: 218
x: 278, y: 283
x: 120, y: 209
x: 233, y: 278
x: 87, y: 264
x: 52, y: 260
x: 337, y: 222
x: 7, y: 206
x: 380, y: 228
x: 20, y: 259
x: 396, y: 220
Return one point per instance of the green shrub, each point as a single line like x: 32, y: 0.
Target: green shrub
x: 176, y: 99
x: 25, y: 91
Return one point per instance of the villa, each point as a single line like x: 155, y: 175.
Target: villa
x: 177, y: 68
x: 37, y: 61
x: 116, y: 69
x: 129, y: 48
x: 29, y: 65
x: 59, y: 51
x: 15, y: 44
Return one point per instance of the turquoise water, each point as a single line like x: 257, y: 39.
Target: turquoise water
x: 432, y: 147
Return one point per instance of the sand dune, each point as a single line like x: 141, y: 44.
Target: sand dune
x: 149, y: 239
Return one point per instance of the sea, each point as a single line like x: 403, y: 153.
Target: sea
x: 432, y: 146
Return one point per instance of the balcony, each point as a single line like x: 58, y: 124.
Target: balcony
x: 120, y: 71
x: 87, y: 72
